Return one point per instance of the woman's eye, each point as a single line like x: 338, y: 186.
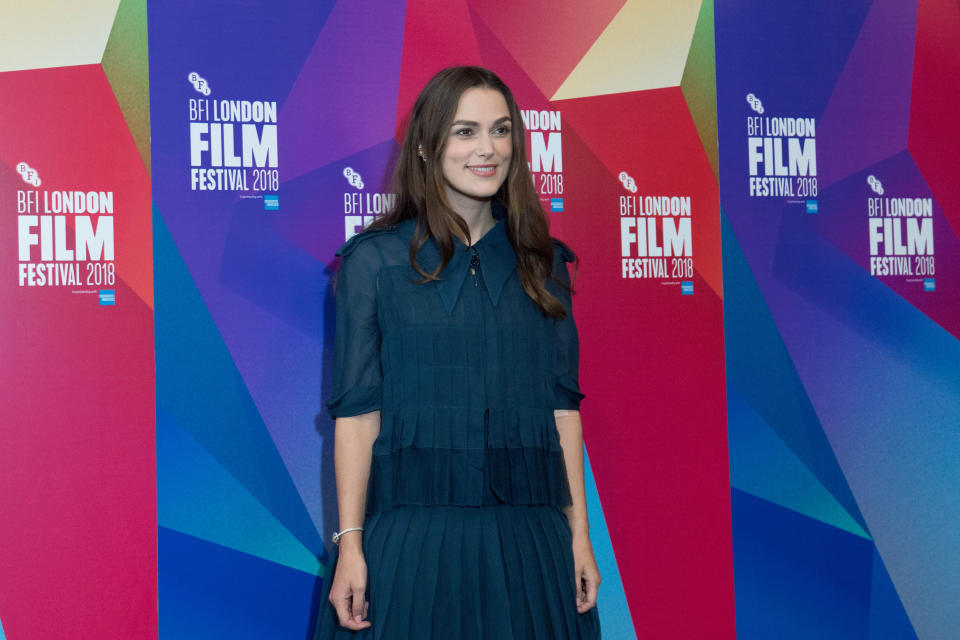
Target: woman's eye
x: 463, y: 132
x: 502, y: 131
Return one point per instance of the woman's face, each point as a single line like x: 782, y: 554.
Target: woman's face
x: 476, y: 155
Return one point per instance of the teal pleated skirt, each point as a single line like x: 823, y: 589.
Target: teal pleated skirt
x: 502, y: 572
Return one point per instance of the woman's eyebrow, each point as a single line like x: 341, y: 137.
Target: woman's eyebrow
x: 471, y: 123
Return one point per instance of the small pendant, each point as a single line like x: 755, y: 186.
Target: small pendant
x: 474, y: 263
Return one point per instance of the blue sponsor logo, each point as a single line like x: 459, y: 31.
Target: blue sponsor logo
x: 686, y: 287
x: 556, y: 204
x: 928, y: 284
x: 271, y: 202
x: 107, y: 296
x: 812, y: 206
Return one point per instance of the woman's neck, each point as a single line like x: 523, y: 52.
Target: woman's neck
x: 479, y: 218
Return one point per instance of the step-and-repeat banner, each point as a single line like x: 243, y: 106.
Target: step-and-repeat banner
x: 77, y: 412
x: 841, y: 271
x: 779, y: 433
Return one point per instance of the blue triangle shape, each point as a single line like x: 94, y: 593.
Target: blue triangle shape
x: 761, y: 464
x: 209, y: 591
x: 796, y: 578
x: 759, y: 367
x: 197, y: 496
x: 199, y: 386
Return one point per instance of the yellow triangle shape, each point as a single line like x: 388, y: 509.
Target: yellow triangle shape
x: 54, y: 33
x: 644, y: 47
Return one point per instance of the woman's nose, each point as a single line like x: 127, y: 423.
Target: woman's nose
x: 485, y: 145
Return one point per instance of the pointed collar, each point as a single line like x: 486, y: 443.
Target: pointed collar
x: 497, y: 261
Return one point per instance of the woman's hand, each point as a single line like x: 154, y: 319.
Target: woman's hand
x: 586, y: 573
x: 348, y: 589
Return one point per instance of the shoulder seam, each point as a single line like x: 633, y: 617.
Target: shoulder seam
x: 347, y: 247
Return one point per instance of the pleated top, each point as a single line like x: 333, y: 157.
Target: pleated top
x: 466, y: 371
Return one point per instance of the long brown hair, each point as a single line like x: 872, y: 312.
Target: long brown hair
x: 419, y: 184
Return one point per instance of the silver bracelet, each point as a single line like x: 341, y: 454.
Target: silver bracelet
x: 337, y: 534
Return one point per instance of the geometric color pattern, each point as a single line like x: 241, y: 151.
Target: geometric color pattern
x: 843, y: 388
x: 649, y: 42
x: 241, y: 416
x: 772, y: 436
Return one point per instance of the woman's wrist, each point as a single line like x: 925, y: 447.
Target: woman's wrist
x: 577, y: 521
x: 581, y: 536
x: 351, y: 541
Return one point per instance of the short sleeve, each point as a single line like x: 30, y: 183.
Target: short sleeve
x: 357, y: 376
x: 567, y: 361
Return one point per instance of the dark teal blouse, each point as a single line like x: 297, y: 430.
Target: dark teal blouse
x: 466, y: 371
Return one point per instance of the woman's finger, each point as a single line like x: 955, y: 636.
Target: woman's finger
x: 591, y: 585
x: 356, y: 610
x: 590, y: 582
x: 343, y: 612
x: 348, y: 619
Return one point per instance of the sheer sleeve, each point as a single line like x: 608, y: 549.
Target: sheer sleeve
x: 567, y: 362
x: 357, y: 376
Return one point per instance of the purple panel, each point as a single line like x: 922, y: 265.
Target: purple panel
x: 345, y: 98
x: 869, y: 110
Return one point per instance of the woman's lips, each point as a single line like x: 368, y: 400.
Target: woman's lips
x: 483, y: 171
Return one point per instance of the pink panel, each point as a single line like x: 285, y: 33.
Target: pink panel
x: 77, y: 444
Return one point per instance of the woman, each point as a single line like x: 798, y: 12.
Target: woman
x: 458, y: 438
